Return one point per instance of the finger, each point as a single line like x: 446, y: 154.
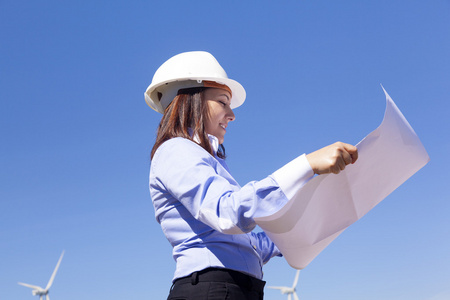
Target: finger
x: 353, y: 151
x: 347, y: 157
x: 335, y: 169
x: 338, y: 166
x: 354, y: 156
x: 342, y: 164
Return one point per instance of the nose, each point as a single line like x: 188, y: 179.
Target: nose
x: 230, y: 115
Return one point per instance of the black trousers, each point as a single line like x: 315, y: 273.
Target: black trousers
x: 213, y: 283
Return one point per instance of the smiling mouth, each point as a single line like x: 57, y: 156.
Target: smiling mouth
x: 223, y: 126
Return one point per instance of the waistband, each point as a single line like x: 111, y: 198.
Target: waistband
x: 222, y: 275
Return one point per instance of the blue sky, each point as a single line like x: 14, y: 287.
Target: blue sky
x: 76, y: 135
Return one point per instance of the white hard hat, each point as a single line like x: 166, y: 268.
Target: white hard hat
x: 188, y: 70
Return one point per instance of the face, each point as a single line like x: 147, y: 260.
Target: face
x: 220, y: 113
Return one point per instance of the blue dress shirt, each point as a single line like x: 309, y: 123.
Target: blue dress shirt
x: 207, y: 216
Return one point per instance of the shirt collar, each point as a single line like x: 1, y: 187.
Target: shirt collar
x: 213, y: 141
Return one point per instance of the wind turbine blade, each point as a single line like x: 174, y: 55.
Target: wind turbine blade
x: 276, y: 287
x: 296, y: 279
x: 295, y: 296
x: 30, y: 286
x: 50, y: 282
x: 47, y: 297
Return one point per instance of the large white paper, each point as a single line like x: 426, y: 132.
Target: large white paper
x: 324, y: 207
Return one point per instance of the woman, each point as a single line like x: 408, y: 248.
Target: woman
x: 204, y: 213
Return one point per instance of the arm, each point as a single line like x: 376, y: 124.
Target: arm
x: 197, y: 180
x: 265, y: 247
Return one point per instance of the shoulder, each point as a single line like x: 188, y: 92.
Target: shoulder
x: 179, y: 146
x: 179, y: 150
x: 178, y: 157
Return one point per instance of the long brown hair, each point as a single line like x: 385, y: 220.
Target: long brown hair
x: 185, y: 117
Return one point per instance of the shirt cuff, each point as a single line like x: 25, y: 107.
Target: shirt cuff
x: 292, y: 176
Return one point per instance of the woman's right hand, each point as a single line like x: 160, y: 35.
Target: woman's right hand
x: 332, y: 158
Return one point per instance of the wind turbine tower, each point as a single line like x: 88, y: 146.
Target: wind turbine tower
x: 288, y: 290
x: 37, y: 290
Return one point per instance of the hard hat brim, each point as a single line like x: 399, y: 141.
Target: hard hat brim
x: 151, y: 98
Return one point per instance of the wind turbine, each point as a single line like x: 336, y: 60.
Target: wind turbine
x: 37, y: 290
x: 288, y: 290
